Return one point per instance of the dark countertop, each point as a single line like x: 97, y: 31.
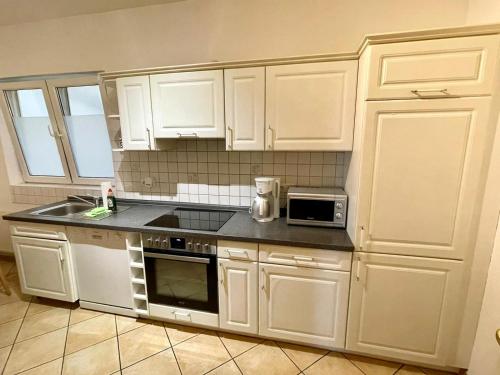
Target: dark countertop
x: 240, y: 227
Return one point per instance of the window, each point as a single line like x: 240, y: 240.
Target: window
x: 59, y: 130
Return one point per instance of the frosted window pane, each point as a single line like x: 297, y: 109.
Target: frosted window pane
x: 32, y: 123
x: 87, y: 132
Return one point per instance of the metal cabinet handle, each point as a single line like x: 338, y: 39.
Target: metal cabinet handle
x: 498, y: 336
x: 149, y: 138
x: 361, y: 237
x: 230, y: 136
x: 185, y: 315
x: 357, y: 267
x: 61, y: 257
x: 303, y: 258
x: 421, y: 93
x: 187, y: 135
x: 222, y: 278
x: 271, y: 140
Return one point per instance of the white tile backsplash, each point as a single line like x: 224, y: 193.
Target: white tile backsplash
x: 202, y: 172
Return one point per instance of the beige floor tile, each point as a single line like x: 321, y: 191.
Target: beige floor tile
x: 34, y: 352
x: 409, y: 370
x: 90, y: 332
x: 228, y: 368
x: 39, y: 304
x: 79, y: 315
x: 302, y: 356
x: 178, y: 334
x: 372, y: 366
x: 95, y: 360
x: 4, y: 354
x: 8, y: 332
x: 51, y: 368
x: 236, y: 344
x: 201, y: 353
x: 429, y: 371
x: 13, y: 311
x: 7, y: 264
x: 141, y: 343
x: 333, y: 363
x: 127, y: 323
x: 159, y: 364
x: 266, y: 358
x: 15, y: 288
x: 47, y: 321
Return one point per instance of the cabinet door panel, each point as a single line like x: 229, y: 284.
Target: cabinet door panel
x: 421, y: 175
x: 44, y: 268
x: 238, y: 295
x: 311, y: 106
x: 244, y: 99
x: 304, y: 305
x: 403, y: 307
x: 461, y: 66
x: 188, y: 104
x: 136, y: 121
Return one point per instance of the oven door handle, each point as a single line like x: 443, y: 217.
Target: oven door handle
x: 176, y: 257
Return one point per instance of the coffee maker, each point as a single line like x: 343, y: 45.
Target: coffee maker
x: 266, y: 205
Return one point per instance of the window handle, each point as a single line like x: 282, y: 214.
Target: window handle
x: 51, y: 132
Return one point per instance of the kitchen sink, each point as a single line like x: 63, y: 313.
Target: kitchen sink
x: 66, y: 209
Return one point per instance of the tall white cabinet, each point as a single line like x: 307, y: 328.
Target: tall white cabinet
x: 414, y: 182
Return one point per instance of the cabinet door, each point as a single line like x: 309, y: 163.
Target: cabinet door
x: 189, y: 104
x: 238, y: 295
x: 311, y: 106
x: 303, y: 304
x: 244, y: 99
x: 136, y: 120
x: 421, y: 176
x: 403, y: 307
x: 433, y: 68
x: 45, y: 268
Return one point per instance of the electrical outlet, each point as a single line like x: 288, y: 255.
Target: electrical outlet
x: 147, y: 182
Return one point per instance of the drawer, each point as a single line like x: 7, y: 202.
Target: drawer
x: 184, y: 316
x: 51, y: 232
x: 300, y: 256
x: 433, y: 68
x: 98, y: 237
x: 237, y: 250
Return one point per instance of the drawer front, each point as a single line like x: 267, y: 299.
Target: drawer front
x: 237, y: 250
x: 300, y: 256
x: 433, y: 68
x: 184, y: 316
x: 100, y: 237
x: 50, y: 232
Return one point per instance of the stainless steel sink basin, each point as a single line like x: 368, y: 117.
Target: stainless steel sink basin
x: 66, y: 209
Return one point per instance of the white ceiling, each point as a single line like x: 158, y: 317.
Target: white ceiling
x: 20, y: 11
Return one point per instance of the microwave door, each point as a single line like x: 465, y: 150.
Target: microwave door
x: 311, y: 210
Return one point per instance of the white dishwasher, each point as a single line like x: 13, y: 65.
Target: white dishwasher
x: 102, y: 269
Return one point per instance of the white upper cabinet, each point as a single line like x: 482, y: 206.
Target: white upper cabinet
x: 303, y: 304
x: 45, y: 268
x: 244, y: 92
x: 421, y: 176
x: 311, y: 106
x: 136, y: 121
x: 238, y: 297
x: 188, y: 104
x: 403, y: 307
x: 433, y: 68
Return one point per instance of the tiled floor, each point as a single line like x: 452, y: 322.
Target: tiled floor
x: 45, y: 337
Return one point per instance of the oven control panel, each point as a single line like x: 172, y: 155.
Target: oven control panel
x: 200, y: 245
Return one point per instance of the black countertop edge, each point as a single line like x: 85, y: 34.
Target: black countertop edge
x: 240, y: 227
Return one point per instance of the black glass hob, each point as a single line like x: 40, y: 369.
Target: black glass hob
x: 193, y: 218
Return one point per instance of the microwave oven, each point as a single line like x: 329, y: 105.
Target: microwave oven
x: 323, y: 207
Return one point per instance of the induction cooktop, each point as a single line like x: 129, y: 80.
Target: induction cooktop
x: 193, y: 218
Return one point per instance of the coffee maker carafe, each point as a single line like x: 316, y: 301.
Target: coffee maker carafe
x: 266, y: 205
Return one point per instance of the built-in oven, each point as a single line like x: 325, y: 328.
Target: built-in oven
x: 181, y: 271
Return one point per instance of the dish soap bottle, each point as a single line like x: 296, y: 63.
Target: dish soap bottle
x: 111, y: 201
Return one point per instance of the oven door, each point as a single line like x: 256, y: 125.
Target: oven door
x: 180, y: 280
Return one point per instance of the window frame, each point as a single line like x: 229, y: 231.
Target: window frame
x: 53, y: 85
x: 49, y: 88
x: 8, y: 115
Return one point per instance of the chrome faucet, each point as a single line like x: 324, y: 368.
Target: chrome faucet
x: 96, y: 199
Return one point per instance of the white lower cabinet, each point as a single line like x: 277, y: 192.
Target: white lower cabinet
x: 403, y: 307
x: 45, y: 268
x: 303, y: 304
x: 238, y: 298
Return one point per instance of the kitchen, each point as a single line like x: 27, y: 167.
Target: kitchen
x: 296, y: 204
